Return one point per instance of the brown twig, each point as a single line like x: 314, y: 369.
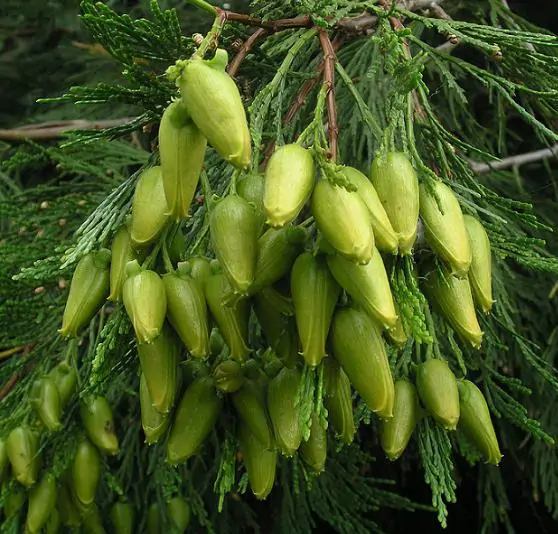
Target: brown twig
x: 9, y: 385
x: 243, y: 51
x: 302, y: 94
x: 302, y: 21
x: 13, y: 380
x: 54, y: 129
x: 5, y: 354
x: 329, y: 82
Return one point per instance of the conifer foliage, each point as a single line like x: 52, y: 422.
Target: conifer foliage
x: 297, y: 274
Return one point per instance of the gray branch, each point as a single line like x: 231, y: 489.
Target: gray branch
x: 54, y: 129
x: 515, y: 161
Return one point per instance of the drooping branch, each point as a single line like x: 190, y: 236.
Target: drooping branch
x: 329, y: 82
x: 53, y: 129
x: 515, y: 161
x: 302, y: 21
x: 243, y: 51
x: 303, y: 93
x: 355, y: 24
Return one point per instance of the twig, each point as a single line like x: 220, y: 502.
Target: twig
x: 9, y: 385
x: 358, y: 24
x: 308, y: 85
x: 300, y: 97
x: 211, y: 39
x: 515, y: 161
x: 302, y: 21
x: 5, y: 354
x: 13, y: 380
x: 54, y: 129
x: 396, y: 24
x: 243, y: 51
x: 329, y: 82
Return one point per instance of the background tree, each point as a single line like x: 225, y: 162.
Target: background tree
x: 453, y: 87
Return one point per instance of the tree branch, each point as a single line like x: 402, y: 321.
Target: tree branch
x: 53, y: 129
x: 515, y: 161
x: 300, y: 97
x: 243, y: 51
x: 302, y: 21
x: 329, y: 82
x: 17, y: 375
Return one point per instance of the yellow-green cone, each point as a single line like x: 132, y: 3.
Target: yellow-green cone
x: 344, y: 220
x: 359, y: 348
x: 396, y: 333
x: 159, y: 365
x: 122, y: 516
x: 92, y: 522
x: 45, y: 399
x: 86, y: 473
x: 228, y: 376
x: 251, y: 188
x: 283, y: 411
x: 179, y: 513
x: 182, y: 150
x: 260, y: 463
x: 396, y: 183
x: 339, y: 401
x: 195, y: 417
x: 54, y: 522
x: 444, y: 227
x: 289, y: 180
x: 42, y: 500
x: 396, y: 432
x: 153, y: 422
x: 234, y: 238
x: 454, y: 300
x: 367, y: 285
x: 145, y: 301
x: 437, y: 389
x: 480, y: 272
x: 187, y: 312
x: 65, y: 377
x: 22, y: 446
x: 154, y: 519
x: 475, y: 421
x: 277, y: 251
x: 150, y: 212
x: 88, y: 290
x: 275, y: 314
x: 384, y: 234
x: 121, y: 253
x: 213, y: 101
x: 199, y: 267
x: 15, y: 500
x: 315, y: 294
x: 249, y: 402
x: 96, y: 416
x: 232, y: 321
x: 314, y: 451
x: 69, y: 513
